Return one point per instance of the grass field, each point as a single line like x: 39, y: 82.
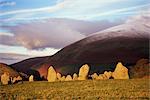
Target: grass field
x: 74, y: 90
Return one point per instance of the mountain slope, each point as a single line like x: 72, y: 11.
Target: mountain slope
x: 126, y: 43
x: 6, y: 68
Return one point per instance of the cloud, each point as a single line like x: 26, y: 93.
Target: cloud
x: 7, y: 3
x: 10, y: 58
x: 143, y: 17
x: 54, y: 33
x: 35, y: 10
x: 76, y: 9
x: 122, y: 10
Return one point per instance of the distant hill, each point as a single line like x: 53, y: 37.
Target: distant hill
x: 102, y: 50
x: 6, y: 68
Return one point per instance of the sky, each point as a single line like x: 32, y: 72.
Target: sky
x: 42, y: 27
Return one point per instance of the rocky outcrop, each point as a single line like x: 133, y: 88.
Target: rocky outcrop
x: 51, y: 76
x: 83, y: 72
x: 121, y: 72
x: 5, y: 78
x: 141, y: 69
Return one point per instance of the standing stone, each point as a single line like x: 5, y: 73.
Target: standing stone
x: 68, y: 78
x: 108, y: 74
x: 62, y: 78
x: 100, y: 77
x: 31, y: 78
x: 83, y: 72
x: 94, y: 76
x: 58, y: 76
x: 121, y: 72
x: 75, y: 76
x: 15, y: 79
x: 5, y: 78
x: 51, y: 76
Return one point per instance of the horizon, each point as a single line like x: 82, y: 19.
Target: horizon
x: 38, y: 28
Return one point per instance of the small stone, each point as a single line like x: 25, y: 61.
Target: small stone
x: 75, y: 76
x: 68, y: 78
x: 31, y: 78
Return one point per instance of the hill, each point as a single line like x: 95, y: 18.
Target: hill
x: 6, y: 68
x: 127, y: 43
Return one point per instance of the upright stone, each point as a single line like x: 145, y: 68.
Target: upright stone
x: 5, y: 78
x: 94, y: 76
x: 51, y: 76
x: 83, y: 72
x: 68, y: 78
x: 121, y: 72
x: 100, y: 77
x: 59, y: 76
x: 75, y: 76
x: 108, y: 74
x: 62, y: 78
x: 16, y: 79
x: 31, y: 78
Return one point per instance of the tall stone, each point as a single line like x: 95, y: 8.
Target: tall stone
x: 51, y: 76
x: 5, y: 78
x: 75, y: 76
x: 31, y: 78
x: 68, y: 78
x: 83, y: 72
x: 121, y: 72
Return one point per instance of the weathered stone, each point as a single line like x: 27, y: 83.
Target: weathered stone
x: 5, y: 78
x: 75, y: 76
x: 58, y: 76
x: 100, y: 77
x: 83, y: 72
x: 94, y: 76
x: 108, y: 74
x: 68, y: 78
x: 51, y: 76
x: 31, y: 78
x: 15, y: 79
x: 62, y: 78
x: 121, y: 72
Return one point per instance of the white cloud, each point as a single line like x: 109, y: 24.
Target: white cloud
x: 55, y: 33
x: 6, y: 34
x: 111, y: 12
x: 7, y: 3
x: 43, y: 9
x: 24, y: 51
x: 71, y: 5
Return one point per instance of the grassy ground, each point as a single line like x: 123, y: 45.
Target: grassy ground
x: 74, y: 90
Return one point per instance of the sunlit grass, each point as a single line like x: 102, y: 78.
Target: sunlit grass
x: 104, y: 89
